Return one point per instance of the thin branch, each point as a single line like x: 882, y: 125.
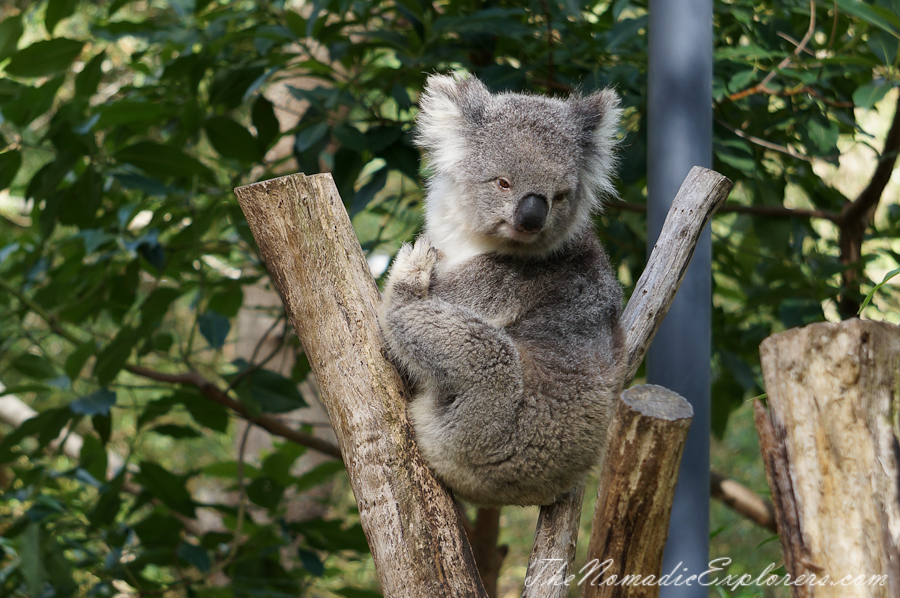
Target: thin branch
x: 742, y: 500
x: 209, y: 390
x: 766, y: 144
x: 762, y: 86
x: 51, y: 320
x: 764, y: 211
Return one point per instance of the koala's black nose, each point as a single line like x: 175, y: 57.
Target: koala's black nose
x: 531, y: 213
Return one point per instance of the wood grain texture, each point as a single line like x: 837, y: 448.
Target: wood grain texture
x: 637, y: 485
x: 702, y: 192
x: 829, y: 441
x: 315, y: 261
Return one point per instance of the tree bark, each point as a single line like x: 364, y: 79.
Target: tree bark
x: 702, y: 192
x: 830, y: 445
x: 315, y: 261
x: 637, y: 485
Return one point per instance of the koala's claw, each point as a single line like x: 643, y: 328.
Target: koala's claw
x: 413, y: 266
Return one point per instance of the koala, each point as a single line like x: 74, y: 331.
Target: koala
x: 504, y: 314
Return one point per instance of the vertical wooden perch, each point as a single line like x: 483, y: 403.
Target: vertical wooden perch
x: 702, y: 192
x: 417, y: 539
x: 315, y: 261
x: 829, y: 442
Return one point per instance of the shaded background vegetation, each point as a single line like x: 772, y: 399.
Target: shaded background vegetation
x: 126, y: 265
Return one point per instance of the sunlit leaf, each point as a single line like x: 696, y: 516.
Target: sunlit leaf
x: 44, y: 58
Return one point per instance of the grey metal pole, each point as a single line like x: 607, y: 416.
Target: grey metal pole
x: 680, y: 137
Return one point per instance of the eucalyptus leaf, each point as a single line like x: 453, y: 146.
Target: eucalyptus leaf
x: 44, y: 58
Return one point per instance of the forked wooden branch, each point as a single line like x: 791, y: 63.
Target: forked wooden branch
x: 413, y: 528
x: 315, y: 261
x: 701, y: 193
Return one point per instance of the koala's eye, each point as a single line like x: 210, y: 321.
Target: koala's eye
x: 504, y: 184
x: 561, y: 196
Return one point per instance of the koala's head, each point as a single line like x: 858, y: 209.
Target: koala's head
x: 513, y: 173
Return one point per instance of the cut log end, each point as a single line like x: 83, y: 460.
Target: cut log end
x: 657, y: 402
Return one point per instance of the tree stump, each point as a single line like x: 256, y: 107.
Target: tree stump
x: 637, y: 485
x: 829, y: 441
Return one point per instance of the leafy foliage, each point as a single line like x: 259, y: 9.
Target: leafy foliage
x: 125, y: 127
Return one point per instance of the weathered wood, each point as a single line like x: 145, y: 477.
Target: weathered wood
x: 554, y: 545
x: 637, y: 485
x: 742, y: 500
x: 702, y: 192
x: 315, y: 261
x: 830, y: 444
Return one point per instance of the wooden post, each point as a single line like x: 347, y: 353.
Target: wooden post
x: 637, y: 485
x: 829, y: 441
x: 315, y: 261
x: 702, y: 192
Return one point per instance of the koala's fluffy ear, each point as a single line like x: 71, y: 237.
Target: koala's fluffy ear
x: 599, y: 114
x: 449, y: 106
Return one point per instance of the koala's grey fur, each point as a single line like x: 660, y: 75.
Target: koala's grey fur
x: 511, y: 338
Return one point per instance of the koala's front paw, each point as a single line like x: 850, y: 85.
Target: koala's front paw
x: 412, y: 268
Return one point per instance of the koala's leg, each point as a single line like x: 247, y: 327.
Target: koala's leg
x: 455, y: 348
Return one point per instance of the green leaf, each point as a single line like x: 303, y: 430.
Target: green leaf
x: 368, y: 191
x: 229, y: 86
x: 319, y: 474
x: 32, y: 102
x: 866, y: 96
x: 265, y: 121
x: 877, y: 288
x: 331, y: 536
x: 108, y: 502
x: 57, y: 10
x: 228, y: 301
x: 157, y: 408
x: 176, y: 431
x: 33, y: 569
x: 311, y: 562
x: 113, y: 357
x: 47, y: 425
x: 194, y: 555
x: 162, y: 161
x: 102, y: 423
x: 794, y: 313
x: 159, y: 530
x: 881, y: 18
x: 87, y: 81
x: 265, y: 492
x: 125, y: 112
x: 824, y: 134
x: 34, y: 366
x: 311, y: 135
x: 232, y: 140
x: 204, y: 411
x: 77, y: 358
x: 155, y: 306
x: 214, y: 327
x: 270, y: 392
x: 167, y: 487
x: 98, y: 402
x: 44, y: 58
x: 92, y: 457
x: 10, y: 31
